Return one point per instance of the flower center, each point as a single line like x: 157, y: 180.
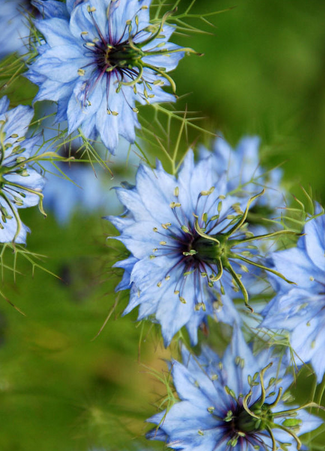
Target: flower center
x: 208, y: 250
x: 247, y: 423
x: 121, y: 56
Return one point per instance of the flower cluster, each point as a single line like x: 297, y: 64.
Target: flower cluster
x: 20, y: 184
x: 100, y: 57
x: 196, y: 238
x: 235, y: 403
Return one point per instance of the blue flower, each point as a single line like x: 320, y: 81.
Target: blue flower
x: 232, y: 404
x: 185, y: 235
x: 20, y: 185
x: 243, y: 168
x: 83, y: 187
x: 301, y: 309
x: 14, y: 26
x: 99, y: 61
x: 83, y: 190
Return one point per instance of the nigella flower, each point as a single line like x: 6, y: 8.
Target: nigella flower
x: 185, y: 236
x: 102, y: 59
x: 81, y: 186
x: 301, y: 309
x: 244, y: 171
x: 232, y: 404
x: 14, y: 26
x: 20, y: 184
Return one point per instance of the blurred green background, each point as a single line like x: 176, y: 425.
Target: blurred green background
x: 262, y: 73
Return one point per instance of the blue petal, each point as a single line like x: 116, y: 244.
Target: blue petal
x: 56, y: 31
x: 315, y: 241
x: 8, y: 228
x: 61, y: 63
x: 51, y: 8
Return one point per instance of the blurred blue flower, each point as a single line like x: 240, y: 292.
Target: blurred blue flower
x: 101, y: 59
x: 14, y: 26
x: 243, y: 168
x: 184, y: 236
x: 234, y: 403
x: 301, y: 309
x: 83, y: 187
x: 20, y: 185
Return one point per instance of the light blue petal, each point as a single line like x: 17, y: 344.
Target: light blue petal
x: 61, y: 63
x: 56, y: 32
x: 51, y: 8
x: 315, y: 241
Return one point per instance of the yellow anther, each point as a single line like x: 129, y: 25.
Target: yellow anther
x: 207, y: 193
x: 163, y: 243
x: 174, y: 204
x: 165, y: 226
x: 217, y: 305
x: 185, y: 229
x: 205, y: 217
x: 244, y: 268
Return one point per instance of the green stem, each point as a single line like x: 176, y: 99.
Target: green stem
x: 220, y: 271
x: 240, y: 285
x: 163, y: 74
x: 250, y: 262
x: 269, y: 430
x: 262, y: 237
x: 244, y: 216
